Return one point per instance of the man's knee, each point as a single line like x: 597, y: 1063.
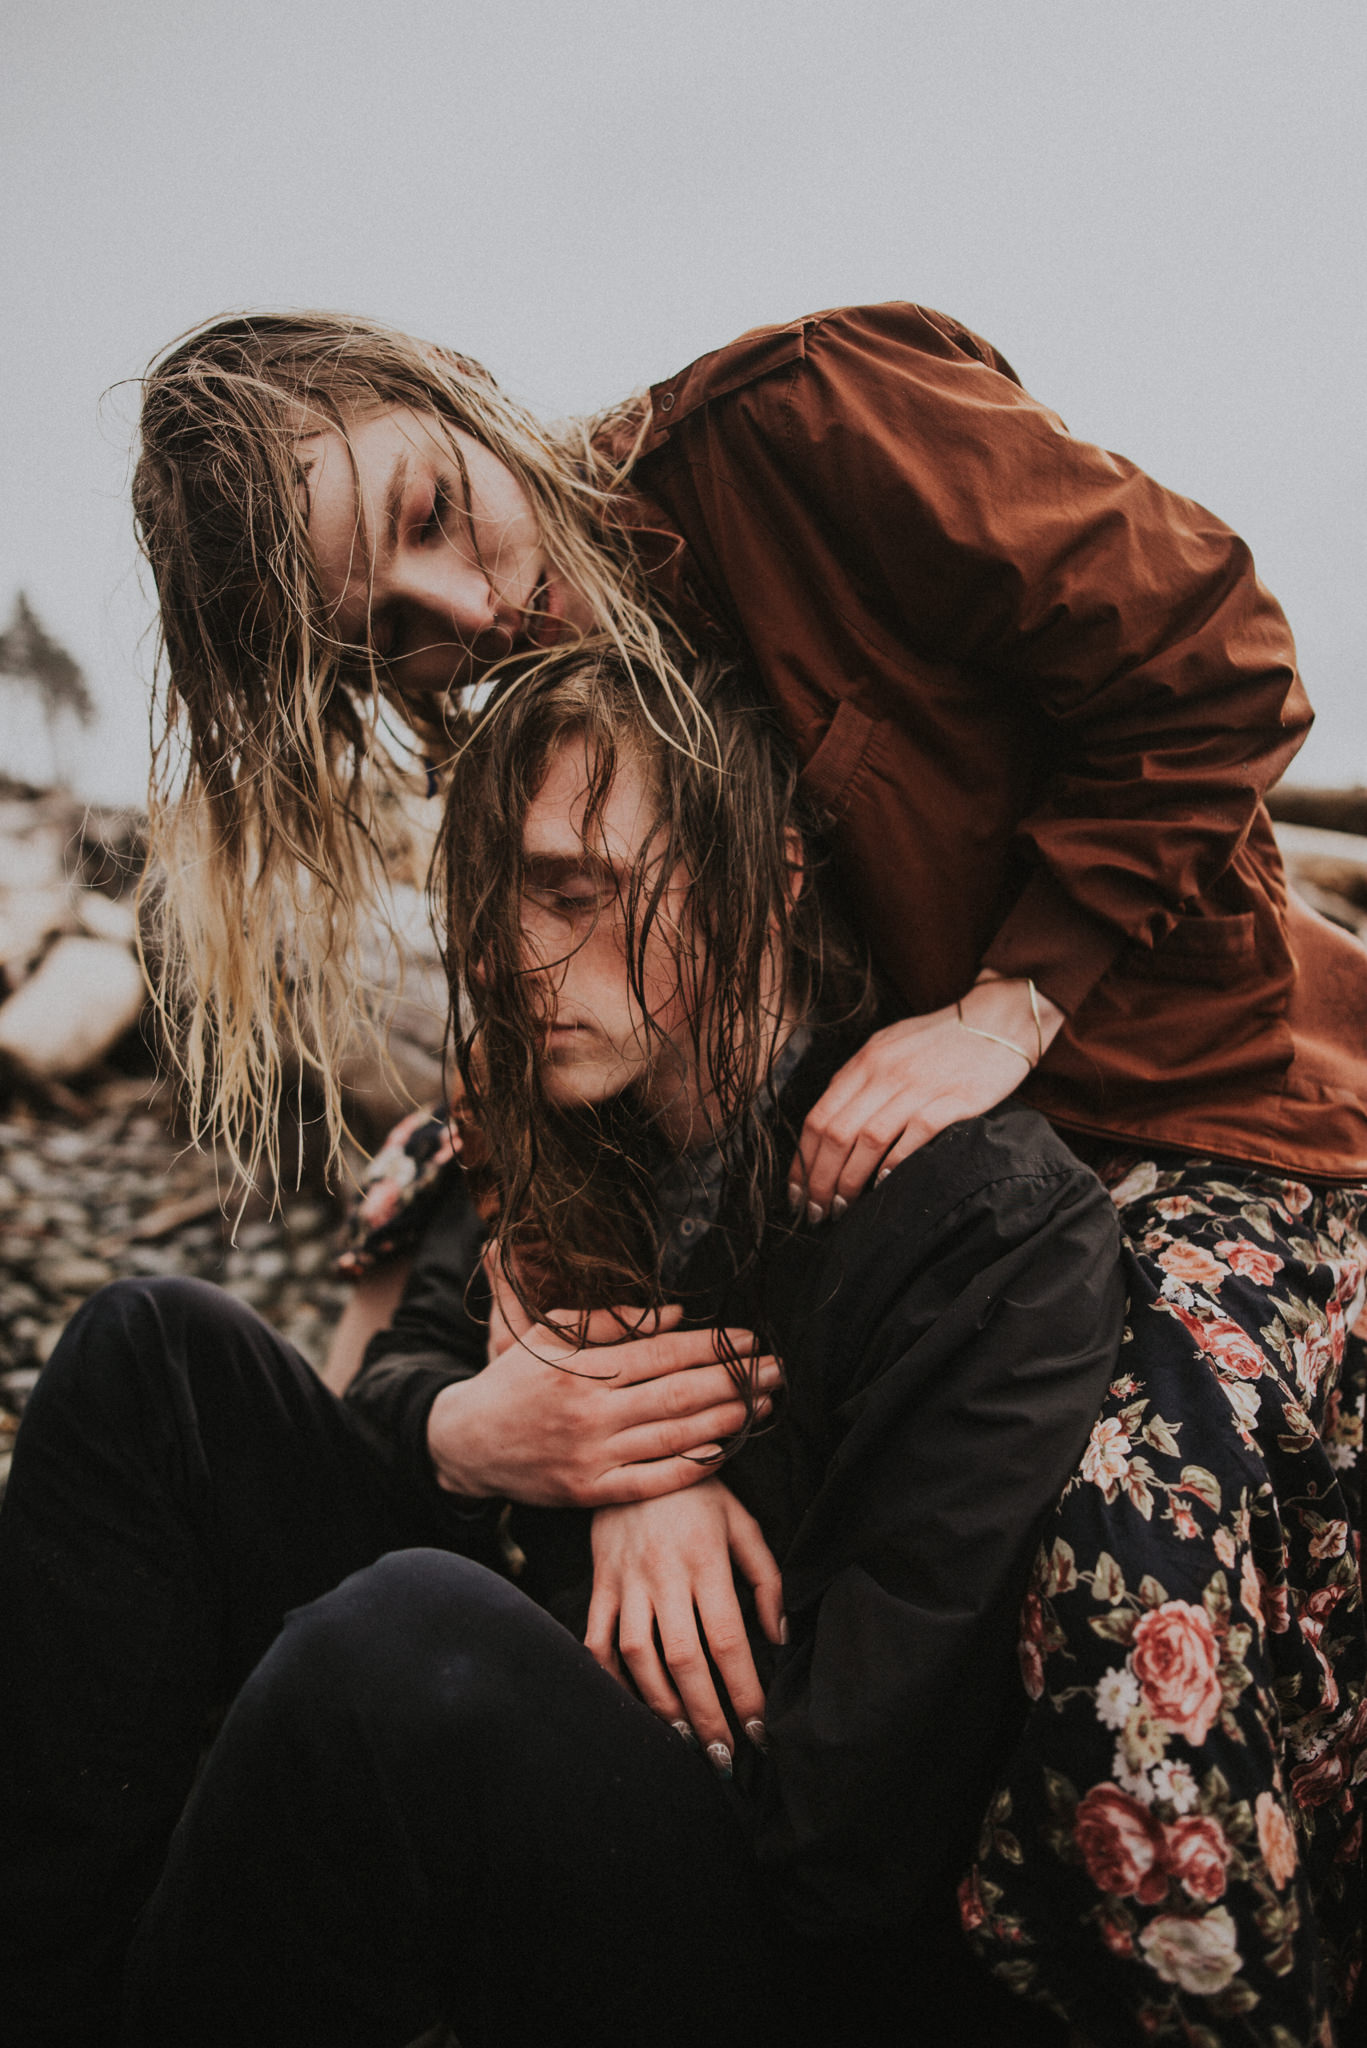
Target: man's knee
x: 110, y: 1338
x: 421, y: 1636
x: 132, y: 1353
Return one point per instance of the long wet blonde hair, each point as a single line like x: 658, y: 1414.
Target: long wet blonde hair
x: 276, y: 753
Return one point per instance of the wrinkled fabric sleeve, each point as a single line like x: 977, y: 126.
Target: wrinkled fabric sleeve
x: 1131, y: 616
x: 438, y: 1335
x: 965, y: 1353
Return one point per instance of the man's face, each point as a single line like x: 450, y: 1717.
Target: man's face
x: 574, y: 935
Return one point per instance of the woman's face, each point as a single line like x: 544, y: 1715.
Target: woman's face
x: 438, y: 582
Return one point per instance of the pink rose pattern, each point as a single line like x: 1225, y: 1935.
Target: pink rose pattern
x: 391, y: 1204
x: 1121, y: 1844
x: 1174, y: 1655
x: 1174, y: 1848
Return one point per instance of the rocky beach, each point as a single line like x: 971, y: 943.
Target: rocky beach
x: 98, y: 1176
x: 120, y: 1192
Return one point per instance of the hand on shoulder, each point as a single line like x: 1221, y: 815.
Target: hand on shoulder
x: 913, y: 1079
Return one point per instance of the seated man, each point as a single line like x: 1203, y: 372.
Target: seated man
x: 427, y: 1799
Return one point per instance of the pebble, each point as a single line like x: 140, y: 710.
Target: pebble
x: 68, y: 1199
x: 68, y: 1274
x: 68, y: 1148
x: 162, y: 1260
x: 252, y: 1237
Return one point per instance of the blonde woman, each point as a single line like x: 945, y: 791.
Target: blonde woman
x: 1038, y: 697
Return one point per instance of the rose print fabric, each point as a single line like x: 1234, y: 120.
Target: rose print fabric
x: 1174, y: 1852
x: 398, y: 1192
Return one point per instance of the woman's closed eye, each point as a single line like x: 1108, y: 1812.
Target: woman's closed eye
x: 434, y: 524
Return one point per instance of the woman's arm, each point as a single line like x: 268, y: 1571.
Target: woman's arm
x: 971, y: 525
x: 370, y: 1308
x: 953, y: 571
x: 912, y: 1080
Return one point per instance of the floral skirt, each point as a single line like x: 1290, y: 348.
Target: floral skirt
x: 1174, y: 1851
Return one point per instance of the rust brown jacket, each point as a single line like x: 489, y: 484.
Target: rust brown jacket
x: 1041, y: 699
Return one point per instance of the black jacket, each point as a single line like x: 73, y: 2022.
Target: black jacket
x: 947, y: 1344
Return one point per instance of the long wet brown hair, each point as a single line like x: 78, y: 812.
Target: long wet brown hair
x: 578, y: 1209
x: 278, y: 750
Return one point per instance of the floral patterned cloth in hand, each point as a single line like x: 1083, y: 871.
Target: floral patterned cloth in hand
x: 1174, y: 1852
x: 398, y: 1192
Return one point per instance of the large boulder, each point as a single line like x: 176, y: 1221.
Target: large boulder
x: 80, y: 999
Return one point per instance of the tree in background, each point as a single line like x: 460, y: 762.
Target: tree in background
x: 33, y: 661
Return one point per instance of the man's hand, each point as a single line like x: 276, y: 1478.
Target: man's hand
x: 509, y: 1321
x: 911, y: 1081
x: 666, y: 1565
x: 556, y: 1423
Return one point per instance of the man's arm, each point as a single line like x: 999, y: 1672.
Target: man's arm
x: 547, y: 1421
x: 435, y: 1339
x: 961, y: 1331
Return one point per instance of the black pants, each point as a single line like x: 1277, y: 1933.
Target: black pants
x: 425, y: 1801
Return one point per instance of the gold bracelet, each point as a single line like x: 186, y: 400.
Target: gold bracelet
x: 1034, y: 1012
x: 1010, y: 1043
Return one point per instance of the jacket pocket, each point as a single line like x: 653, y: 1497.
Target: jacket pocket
x: 829, y: 775
x: 1215, y: 952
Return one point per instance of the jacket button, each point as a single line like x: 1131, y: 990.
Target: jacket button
x: 667, y: 402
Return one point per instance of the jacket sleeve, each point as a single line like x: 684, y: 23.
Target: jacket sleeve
x: 971, y: 1327
x: 1131, y: 616
x: 436, y: 1336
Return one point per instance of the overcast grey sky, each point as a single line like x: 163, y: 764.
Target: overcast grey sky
x: 1154, y: 207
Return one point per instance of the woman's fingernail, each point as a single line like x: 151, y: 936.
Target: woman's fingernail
x: 883, y: 1173
x: 815, y: 1213
x: 719, y: 1756
x: 783, y: 1628
x: 794, y: 1198
x: 755, y: 1732
x: 839, y: 1206
x: 682, y: 1728
x: 771, y: 1375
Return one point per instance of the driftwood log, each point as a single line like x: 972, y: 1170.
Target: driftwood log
x: 1322, y: 834
x: 1332, y: 810
x: 70, y: 983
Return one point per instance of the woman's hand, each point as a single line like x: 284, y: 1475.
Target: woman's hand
x: 666, y: 1565
x: 558, y: 1423
x: 912, y: 1080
